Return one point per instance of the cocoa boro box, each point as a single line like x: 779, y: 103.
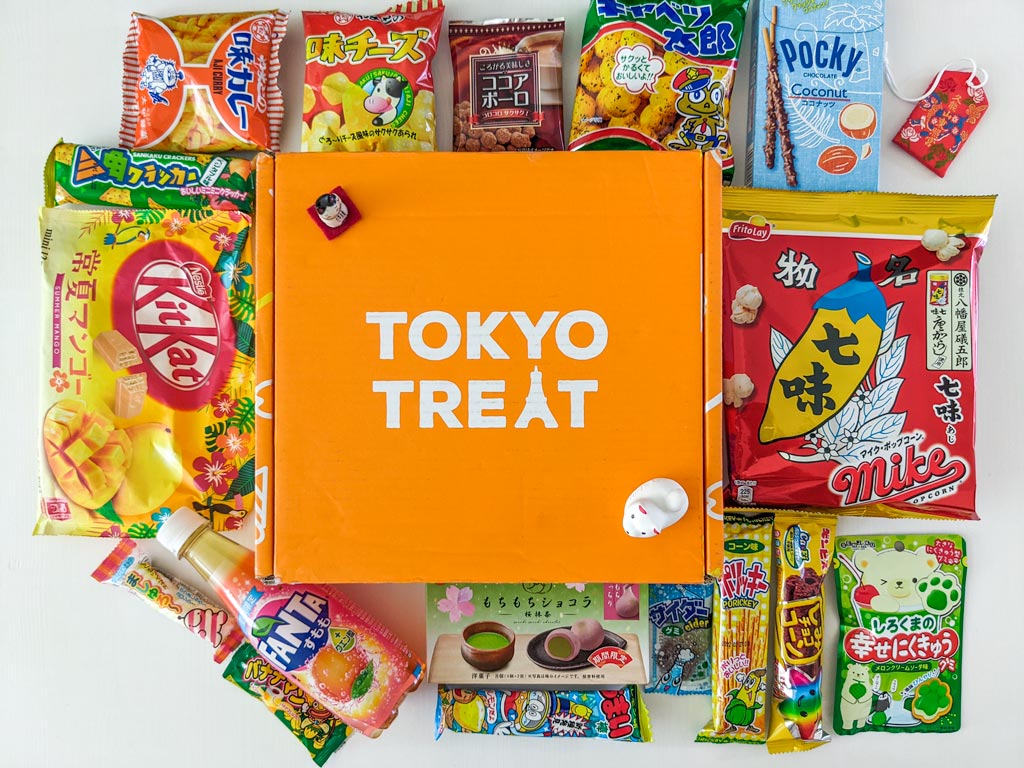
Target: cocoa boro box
x: 816, y: 95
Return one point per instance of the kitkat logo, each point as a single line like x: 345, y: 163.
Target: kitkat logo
x: 757, y: 228
x: 166, y: 304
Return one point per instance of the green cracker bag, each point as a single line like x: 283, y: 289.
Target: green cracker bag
x: 76, y: 173
x: 901, y: 603
x: 658, y: 76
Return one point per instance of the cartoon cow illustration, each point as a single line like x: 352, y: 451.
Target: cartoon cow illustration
x: 157, y: 76
x: 385, y: 98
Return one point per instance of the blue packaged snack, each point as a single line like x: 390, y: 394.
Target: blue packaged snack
x: 619, y: 715
x: 680, y: 638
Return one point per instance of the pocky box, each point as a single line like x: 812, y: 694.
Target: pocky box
x: 76, y: 173
x: 538, y: 634
x: 849, y: 349
x: 815, y: 101
x: 901, y: 604
x: 147, y: 376
x: 619, y: 715
x: 680, y: 638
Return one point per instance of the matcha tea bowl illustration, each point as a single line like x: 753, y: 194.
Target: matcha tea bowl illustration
x: 488, y: 645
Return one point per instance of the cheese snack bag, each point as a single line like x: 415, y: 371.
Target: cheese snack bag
x: 147, y: 375
x: 204, y: 82
x: 369, y: 87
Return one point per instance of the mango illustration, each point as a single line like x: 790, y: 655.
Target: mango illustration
x: 154, y: 472
x: 88, y: 457
x: 829, y: 361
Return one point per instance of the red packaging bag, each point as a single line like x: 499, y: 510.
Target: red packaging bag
x: 943, y: 118
x: 849, y: 342
x: 368, y: 86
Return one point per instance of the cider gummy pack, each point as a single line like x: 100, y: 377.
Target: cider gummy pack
x: 849, y: 337
x: 147, y: 377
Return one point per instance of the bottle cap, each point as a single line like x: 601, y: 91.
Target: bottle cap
x: 178, y: 528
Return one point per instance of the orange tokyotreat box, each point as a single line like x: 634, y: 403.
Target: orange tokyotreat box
x: 476, y: 359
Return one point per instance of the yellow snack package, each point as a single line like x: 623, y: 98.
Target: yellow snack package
x: 147, y: 388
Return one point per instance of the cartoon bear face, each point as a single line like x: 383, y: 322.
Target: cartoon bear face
x: 857, y: 673
x: 894, y: 573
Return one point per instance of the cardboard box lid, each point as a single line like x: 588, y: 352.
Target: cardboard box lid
x: 619, y: 235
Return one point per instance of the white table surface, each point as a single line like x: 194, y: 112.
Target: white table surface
x: 89, y: 677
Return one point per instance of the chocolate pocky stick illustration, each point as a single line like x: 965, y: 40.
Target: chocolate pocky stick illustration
x: 776, y: 119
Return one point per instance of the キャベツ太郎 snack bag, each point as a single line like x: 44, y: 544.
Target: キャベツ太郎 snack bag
x: 658, y: 76
x: 739, y: 659
x: 204, y: 82
x: 147, y: 375
x: 849, y: 349
x: 901, y: 612
x: 369, y: 87
x: 803, y: 543
x: 619, y: 715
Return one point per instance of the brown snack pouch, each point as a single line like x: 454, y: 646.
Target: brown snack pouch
x: 507, y: 85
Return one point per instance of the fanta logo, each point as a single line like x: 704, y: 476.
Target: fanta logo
x: 290, y: 631
x: 167, y: 305
x: 756, y: 229
x: 899, y: 476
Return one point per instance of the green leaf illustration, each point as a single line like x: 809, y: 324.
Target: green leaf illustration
x: 107, y: 511
x: 245, y: 339
x: 245, y: 415
x: 149, y: 217
x: 262, y: 626
x: 213, y: 431
x: 245, y: 483
x: 363, y: 681
x: 141, y: 531
x: 242, y: 303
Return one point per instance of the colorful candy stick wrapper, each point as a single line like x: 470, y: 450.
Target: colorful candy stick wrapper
x: 147, y: 394
x: 901, y: 609
x: 310, y: 721
x: 123, y: 178
x: 849, y: 336
x: 803, y: 544
x: 739, y: 668
x: 680, y: 617
x: 128, y: 567
x: 620, y: 715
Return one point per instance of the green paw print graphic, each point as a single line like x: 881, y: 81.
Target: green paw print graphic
x: 940, y: 593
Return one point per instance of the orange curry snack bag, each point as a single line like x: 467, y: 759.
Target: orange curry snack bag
x: 203, y: 83
x: 368, y: 82
x: 147, y: 401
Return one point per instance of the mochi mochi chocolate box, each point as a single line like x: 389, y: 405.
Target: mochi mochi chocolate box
x: 469, y: 381
x: 815, y: 106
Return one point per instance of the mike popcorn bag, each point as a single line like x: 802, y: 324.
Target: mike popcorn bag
x: 849, y: 349
x: 147, y: 398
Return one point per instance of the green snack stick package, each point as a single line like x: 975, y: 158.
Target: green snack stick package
x: 76, y: 173
x: 311, y: 722
x: 901, y: 606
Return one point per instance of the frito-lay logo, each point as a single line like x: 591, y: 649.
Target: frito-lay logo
x: 167, y: 305
x: 756, y: 229
x: 911, y: 474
